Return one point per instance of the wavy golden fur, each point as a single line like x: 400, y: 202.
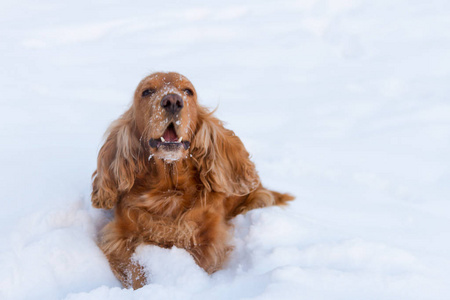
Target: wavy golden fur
x: 174, y: 177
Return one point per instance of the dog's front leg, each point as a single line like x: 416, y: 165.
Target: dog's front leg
x: 209, y: 242
x: 119, y: 249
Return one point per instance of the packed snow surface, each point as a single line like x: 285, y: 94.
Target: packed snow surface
x: 344, y: 103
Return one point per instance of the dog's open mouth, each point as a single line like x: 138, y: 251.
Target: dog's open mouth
x: 169, y: 140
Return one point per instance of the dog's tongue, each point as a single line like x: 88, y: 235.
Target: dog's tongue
x: 170, y: 135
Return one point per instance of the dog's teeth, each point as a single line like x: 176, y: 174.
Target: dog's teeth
x: 162, y: 139
x: 180, y: 139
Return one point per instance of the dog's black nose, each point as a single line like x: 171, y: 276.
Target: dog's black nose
x: 172, y: 103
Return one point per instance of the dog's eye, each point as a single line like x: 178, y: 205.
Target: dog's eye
x: 148, y: 92
x: 188, y: 92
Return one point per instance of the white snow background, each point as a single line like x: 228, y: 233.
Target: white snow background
x: 343, y: 103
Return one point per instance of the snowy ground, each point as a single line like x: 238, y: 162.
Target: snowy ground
x: 345, y: 104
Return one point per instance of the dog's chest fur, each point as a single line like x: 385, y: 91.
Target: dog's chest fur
x: 166, y: 190
x: 168, y: 203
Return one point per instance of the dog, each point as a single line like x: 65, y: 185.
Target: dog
x: 174, y: 176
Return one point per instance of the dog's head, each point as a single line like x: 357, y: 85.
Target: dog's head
x: 165, y: 109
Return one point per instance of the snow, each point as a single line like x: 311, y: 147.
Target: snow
x: 344, y: 104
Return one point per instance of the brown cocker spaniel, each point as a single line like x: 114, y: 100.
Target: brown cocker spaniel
x: 174, y: 177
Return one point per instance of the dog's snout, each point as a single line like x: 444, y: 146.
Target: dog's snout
x: 172, y: 103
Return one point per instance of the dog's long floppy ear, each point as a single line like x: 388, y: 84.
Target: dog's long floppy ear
x: 223, y: 162
x: 118, y: 162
